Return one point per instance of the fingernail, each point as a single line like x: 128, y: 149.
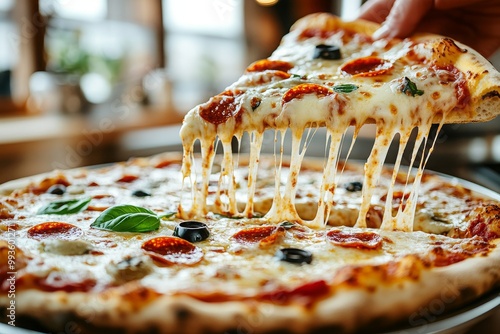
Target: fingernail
x: 381, y: 32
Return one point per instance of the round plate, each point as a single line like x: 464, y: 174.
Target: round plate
x: 459, y: 321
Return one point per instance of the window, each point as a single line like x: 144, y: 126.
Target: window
x: 97, y: 41
x: 8, y: 47
x: 205, y: 49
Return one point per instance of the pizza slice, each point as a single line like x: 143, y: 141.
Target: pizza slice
x: 330, y: 73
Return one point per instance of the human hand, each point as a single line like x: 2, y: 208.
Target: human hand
x: 475, y: 23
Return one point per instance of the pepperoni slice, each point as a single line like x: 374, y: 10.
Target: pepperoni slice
x: 173, y: 250
x: 219, y: 109
x: 450, y: 74
x: 280, y: 75
x: 265, y: 77
x: 127, y: 178
x: 360, y: 240
x: 56, y: 230
x: 367, y: 67
x: 267, y: 64
x: 166, y: 163
x: 316, y: 32
x: 264, y: 235
x: 304, y: 89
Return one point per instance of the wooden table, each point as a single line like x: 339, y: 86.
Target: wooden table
x: 35, y: 144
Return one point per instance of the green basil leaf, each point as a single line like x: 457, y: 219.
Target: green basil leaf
x: 130, y: 222
x: 345, y: 88
x: 127, y: 218
x: 410, y: 88
x: 296, y: 76
x: 65, y: 207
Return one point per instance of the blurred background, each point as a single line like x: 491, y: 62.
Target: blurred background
x: 85, y: 82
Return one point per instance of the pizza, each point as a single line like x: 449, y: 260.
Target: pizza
x: 235, y: 242
x: 105, y: 250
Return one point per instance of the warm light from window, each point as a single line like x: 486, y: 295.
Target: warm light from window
x: 6, y: 4
x: 221, y: 18
x: 267, y: 2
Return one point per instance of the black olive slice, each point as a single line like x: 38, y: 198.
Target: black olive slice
x: 192, y: 231
x: 330, y: 52
x: 354, y: 186
x: 57, y: 189
x: 294, y: 255
x: 140, y: 193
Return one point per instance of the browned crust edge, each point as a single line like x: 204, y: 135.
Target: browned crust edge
x: 408, y: 302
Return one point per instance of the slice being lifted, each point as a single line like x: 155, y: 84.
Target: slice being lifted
x: 329, y: 73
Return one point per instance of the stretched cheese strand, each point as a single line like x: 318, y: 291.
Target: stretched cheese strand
x: 373, y: 170
x: 405, y: 217
x: 253, y: 164
x: 283, y: 208
x: 227, y: 185
x: 389, y: 222
x: 328, y: 184
x: 278, y: 163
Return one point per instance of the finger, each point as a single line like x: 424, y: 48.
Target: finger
x: 376, y: 10
x: 486, y: 47
x: 404, y: 17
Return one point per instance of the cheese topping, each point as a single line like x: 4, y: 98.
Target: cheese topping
x: 238, y: 259
x: 374, y: 82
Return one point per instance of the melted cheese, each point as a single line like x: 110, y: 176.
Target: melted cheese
x: 229, y: 266
x: 378, y: 99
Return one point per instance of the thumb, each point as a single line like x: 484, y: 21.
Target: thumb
x: 404, y: 18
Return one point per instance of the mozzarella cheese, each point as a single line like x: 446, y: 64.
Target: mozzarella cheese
x: 304, y: 97
x: 229, y: 265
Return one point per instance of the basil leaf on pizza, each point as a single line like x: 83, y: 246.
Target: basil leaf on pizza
x: 127, y: 218
x: 65, y: 207
x: 345, y: 88
x: 410, y: 88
